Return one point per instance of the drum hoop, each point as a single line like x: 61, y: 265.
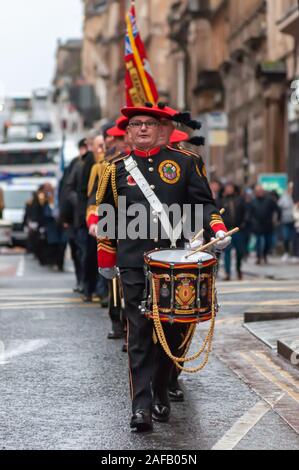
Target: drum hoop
x: 157, y: 264
x: 190, y: 319
x: 165, y: 264
x: 186, y: 312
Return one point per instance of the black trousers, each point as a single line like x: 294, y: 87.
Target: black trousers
x: 87, y: 253
x: 149, y: 367
x: 115, y: 312
x: 76, y: 260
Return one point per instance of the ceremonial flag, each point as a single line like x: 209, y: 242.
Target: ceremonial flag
x: 140, y: 85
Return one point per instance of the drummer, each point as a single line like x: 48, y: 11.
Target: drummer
x: 174, y: 178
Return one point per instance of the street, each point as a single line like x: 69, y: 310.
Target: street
x: 64, y: 386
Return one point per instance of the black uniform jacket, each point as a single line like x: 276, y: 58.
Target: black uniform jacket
x: 175, y: 178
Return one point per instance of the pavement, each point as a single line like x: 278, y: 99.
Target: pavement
x: 276, y: 324
x: 275, y: 269
x: 64, y: 386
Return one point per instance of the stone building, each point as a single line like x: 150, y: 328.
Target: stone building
x: 230, y: 62
x: 103, y: 47
x: 68, y: 63
x: 287, y: 23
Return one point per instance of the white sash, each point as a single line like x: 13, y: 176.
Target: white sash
x: 155, y: 203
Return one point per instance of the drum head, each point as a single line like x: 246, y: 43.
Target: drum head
x: 179, y: 257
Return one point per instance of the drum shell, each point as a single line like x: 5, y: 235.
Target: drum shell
x: 184, y: 291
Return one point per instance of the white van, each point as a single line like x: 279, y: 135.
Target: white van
x: 5, y: 233
x: 15, y: 199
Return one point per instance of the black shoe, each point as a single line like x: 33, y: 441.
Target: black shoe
x: 125, y: 348
x: 142, y: 421
x: 161, y: 409
x: 176, y: 395
x: 104, y: 302
x: 87, y: 299
x: 114, y: 334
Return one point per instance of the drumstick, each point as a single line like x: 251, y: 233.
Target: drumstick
x: 214, y: 242
x: 114, y: 284
x: 200, y: 234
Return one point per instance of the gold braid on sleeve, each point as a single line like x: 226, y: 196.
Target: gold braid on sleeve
x: 103, y: 185
x: 113, y: 183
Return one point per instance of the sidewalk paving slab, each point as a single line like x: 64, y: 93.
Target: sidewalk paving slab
x: 289, y: 350
x: 269, y: 332
x: 262, y: 314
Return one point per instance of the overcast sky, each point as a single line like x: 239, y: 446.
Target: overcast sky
x: 28, y: 35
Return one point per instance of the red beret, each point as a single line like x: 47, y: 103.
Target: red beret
x: 120, y: 129
x: 122, y: 123
x: 116, y: 132
x: 178, y: 136
x: 155, y: 112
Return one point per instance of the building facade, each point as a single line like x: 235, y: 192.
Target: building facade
x: 230, y: 62
x: 287, y: 16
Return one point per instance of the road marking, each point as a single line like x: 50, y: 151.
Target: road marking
x: 21, y: 267
x: 245, y: 290
x: 39, y: 302
x: 242, y: 427
x: 271, y: 364
x: 271, y: 303
x: 20, y: 292
x: 54, y: 306
x: 269, y: 376
x: 24, y: 347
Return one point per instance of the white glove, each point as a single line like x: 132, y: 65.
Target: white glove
x: 224, y: 241
x: 108, y: 273
x: 195, y: 245
x: 93, y: 230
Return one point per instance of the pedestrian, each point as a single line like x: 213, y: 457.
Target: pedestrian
x: 77, y: 190
x: 1, y: 202
x: 217, y: 191
x: 247, y: 229
x: 117, y: 147
x: 286, y: 204
x: 175, y: 178
x: 235, y: 215
x: 67, y: 214
x: 262, y: 212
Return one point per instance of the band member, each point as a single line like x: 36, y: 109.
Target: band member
x: 117, y: 147
x: 174, y: 178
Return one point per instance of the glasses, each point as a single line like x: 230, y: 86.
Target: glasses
x: 147, y: 124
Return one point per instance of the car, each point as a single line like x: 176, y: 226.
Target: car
x: 15, y: 199
x: 16, y: 194
x: 5, y: 233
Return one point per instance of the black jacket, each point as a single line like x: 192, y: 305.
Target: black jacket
x: 76, y: 187
x: 236, y: 211
x: 176, y: 179
x: 262, y: 212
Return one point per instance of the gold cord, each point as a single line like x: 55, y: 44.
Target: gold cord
x: 113, y: 183
x: 207, y: 345
x: 103, y: 184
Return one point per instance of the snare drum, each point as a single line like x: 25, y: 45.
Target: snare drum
x: 184, y: 286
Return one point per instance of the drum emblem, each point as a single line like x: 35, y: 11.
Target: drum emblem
x: 185, y: 293
x: 164, y: 292
x: 170, y: 172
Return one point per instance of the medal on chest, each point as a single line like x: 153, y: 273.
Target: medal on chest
x: 170, y: 172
